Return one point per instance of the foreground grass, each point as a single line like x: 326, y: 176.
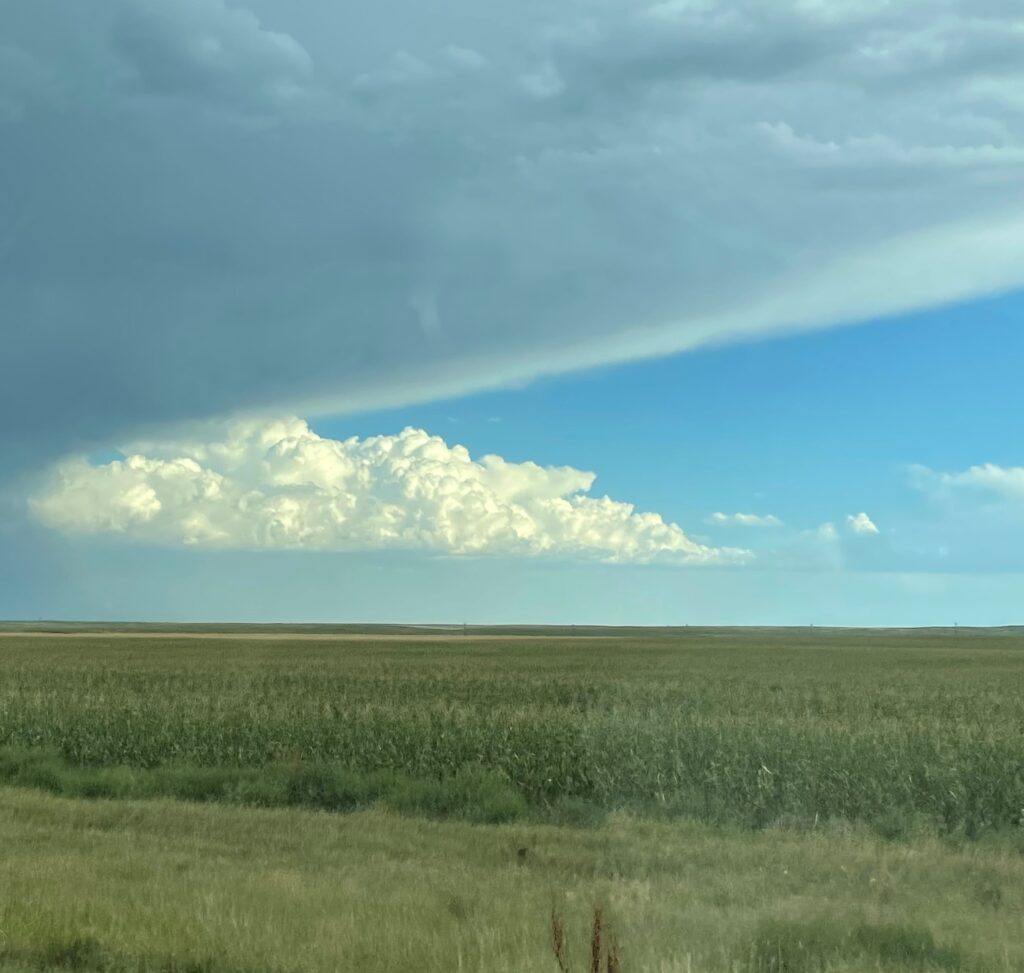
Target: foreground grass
x: 168, y: 886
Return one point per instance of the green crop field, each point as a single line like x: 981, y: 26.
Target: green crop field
x: 735, y: 800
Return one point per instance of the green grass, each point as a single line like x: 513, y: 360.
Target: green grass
x: 801, y: 946
x: 471, y: 793
x: 734, y: 801
x: 160, y: 886
x: 906, y: 731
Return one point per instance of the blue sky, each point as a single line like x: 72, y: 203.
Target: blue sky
x: 805, y: 426
x: 808, y: 428
x: 656, y: 312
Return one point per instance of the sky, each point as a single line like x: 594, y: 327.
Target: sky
x: 604, y: 311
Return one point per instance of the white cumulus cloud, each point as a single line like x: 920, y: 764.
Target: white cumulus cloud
x: 264, y: 484
x: 719, y: 519
x: 861, y: 524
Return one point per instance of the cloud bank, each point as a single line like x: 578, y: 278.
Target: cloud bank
x: 213, y: 207
x: 278, y: 485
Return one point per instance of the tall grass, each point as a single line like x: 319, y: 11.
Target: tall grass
x: 156, y: 886
x: 753, y: 729
x: 812, y: 946
x: 601, y: 947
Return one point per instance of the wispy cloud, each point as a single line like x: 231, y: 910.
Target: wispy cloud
x: 1002, y: 482
x: 719, y: 519
x: 861, y: 524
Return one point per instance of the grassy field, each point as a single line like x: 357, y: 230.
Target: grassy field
x: 172, y: 886
x: 899, y: 730
x: 735, y: 800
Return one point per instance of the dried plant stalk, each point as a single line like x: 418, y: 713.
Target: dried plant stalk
x: 558, y: 941
x: 612, y: 965
x: 595, y: 943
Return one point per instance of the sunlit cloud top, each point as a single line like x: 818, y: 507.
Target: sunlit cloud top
x: 276, y: 484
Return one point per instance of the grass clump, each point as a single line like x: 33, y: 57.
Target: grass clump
x: 813, y: 946
x: 472, y: 793
x: 82, y: 953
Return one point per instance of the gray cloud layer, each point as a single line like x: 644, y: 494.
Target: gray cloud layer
x: 210, y: 207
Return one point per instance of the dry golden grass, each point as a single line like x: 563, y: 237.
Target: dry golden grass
x: 161, y: 886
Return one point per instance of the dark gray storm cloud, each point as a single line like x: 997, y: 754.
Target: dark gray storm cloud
x: 210, y: 206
